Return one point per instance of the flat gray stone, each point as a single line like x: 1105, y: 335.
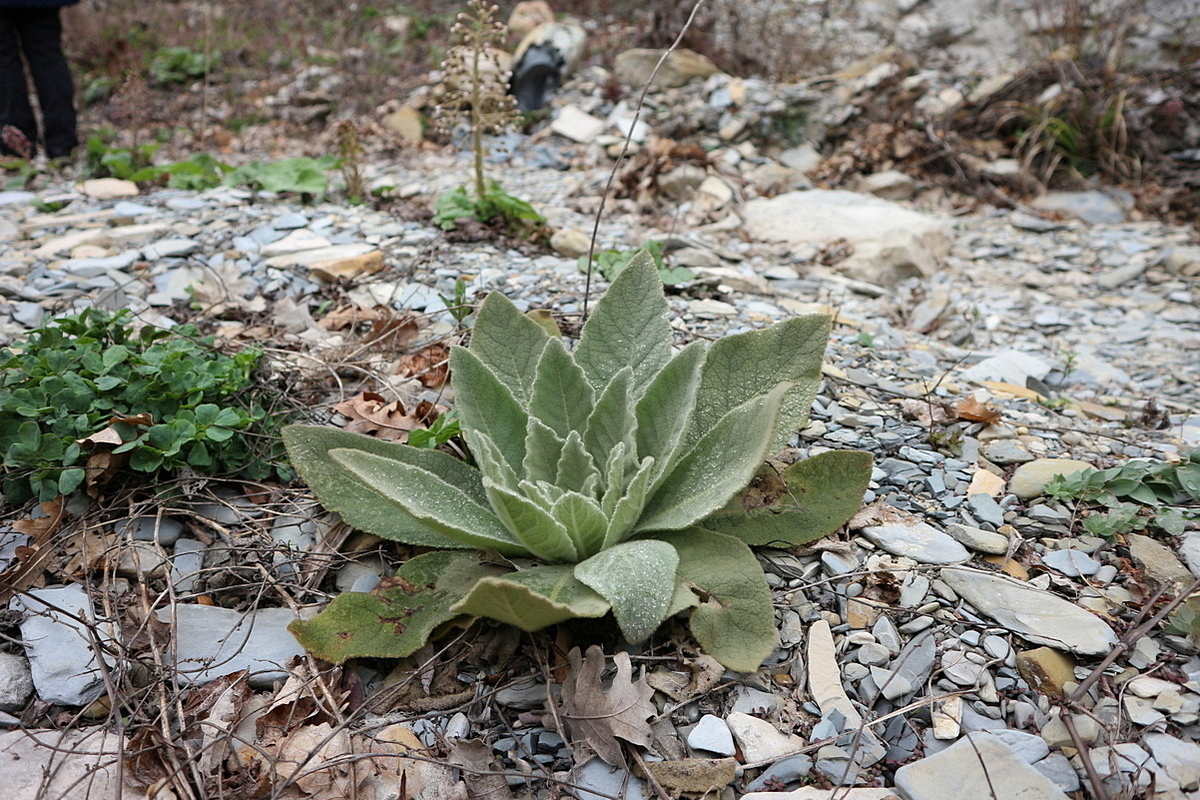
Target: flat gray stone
x: 211, y: 641
x: 60, y: 764
x: 1072, y: 563
x: 985, y: 509
x: 1189, y: 550
x: 598, y: 781
x: 1004, y: 452
x: 975, y: 766
x: 1029, y: 747
x: 1034, y: 614
x: 1009, y: 366
x: 1159, y: 563
x: 1058, y: 769
x: 1179, y: 759
x: 59, y: 645
x: 712, y: 735
x: 1094, y: 206
x: 16, y: 682
x: 978, y: 539
x: 919, y: 541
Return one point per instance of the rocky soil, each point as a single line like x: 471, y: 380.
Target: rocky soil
x: 963, y: 637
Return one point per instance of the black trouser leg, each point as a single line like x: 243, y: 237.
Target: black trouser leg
x: 14, y: 92
x: 41, y: 40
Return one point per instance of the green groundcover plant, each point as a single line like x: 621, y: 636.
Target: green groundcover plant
x: 610, y: 479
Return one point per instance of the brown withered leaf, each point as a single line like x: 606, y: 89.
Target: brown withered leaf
x: 373, y: 415
x: 102, y: 463
x: 971, y: 409
x: 31, y: 558
x: 351, y: 316
x: 923, y: 411
x: 430, y: 366
x: 392, y: 331
x: 476, y: 759
x: 600, y: 717
x: 297, y: 701
x: 879, y: 513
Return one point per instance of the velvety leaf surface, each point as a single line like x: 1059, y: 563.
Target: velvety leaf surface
x: 745, y: 365
x: 361, y: 505
x: 638, y: 579
x: 584, y: 521
x: 531, y: 524
x: 720, y: 464
x: 562, y: 397
x: 665, y: 409
x: 531, y: 599
x: 612, y: 422
x: 509, y: 343
x: 808, y: 500
x: 485, y: 404
x: 734, y: 621
x: 543, y: 449
x: 431, y: 500
x: 397, y: 618
x: 628, y: 328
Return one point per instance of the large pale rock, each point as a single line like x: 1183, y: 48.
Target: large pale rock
x: 210, y: 641
x: 108, y: 188
x: 1032, y: 613
x: 977, y: 766
x: 577, y: 125
x: 407, y: 122
x: 890, y: 242
x: 57, y: 765
x: 1029, y: 480
x: 634, y: 67
x: 759, y: 739
x: 825, y: 677
x: 1158, y: 563
x: 918, y: 541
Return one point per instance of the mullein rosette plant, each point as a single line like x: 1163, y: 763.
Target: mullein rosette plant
x: 622, y: 477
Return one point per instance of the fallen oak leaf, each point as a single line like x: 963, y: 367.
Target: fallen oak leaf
x: 430, y: 366
x: 600, y: 717
x: 923, y: 411
x: 974, y: 411
x: 31, y: 557
x: 373, y: 415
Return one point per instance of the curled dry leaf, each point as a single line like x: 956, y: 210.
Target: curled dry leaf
x: 392, y: 331
x: 31, y: 558
x: 373, y: 415
x: 102, y: 464
x: 351, y: 316
x: 971, y: 409
x: 880, y: 514
x: 430, y: 366
x: 600, y: 716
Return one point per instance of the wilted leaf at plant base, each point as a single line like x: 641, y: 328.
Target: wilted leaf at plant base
x: 808, y: 500
x: 638, y: 579
x: 533, y: 598
x: 398, y: 616
x: 734, y: 622
x: 600, y: 716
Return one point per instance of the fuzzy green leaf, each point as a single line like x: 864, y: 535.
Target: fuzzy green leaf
x: 431, y: 500
x: 531, y: 524
x: 509, y: 344
x: 543, y: 449
x: 486, y: 404
x: 629, y: 328
x: 562, y: 397
x: 745, y: 365
x: 397, y: 618
x: 631, y: 504
x: 531, y: 599
x: 584, y: 521
x: 808, y: 500
x: 638, y: 580
x: 360, y: 504
x: 734, y: 621
x: 576, y: 469
x: 664, y: 411
x: 720, y: 464
x: 612, y: 424
x: 492, y: 463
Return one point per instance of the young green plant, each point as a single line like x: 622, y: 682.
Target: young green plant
x: 609, y: 479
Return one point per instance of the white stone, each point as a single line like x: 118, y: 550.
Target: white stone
x: 890, y: 242
x: 974, y: 768
x: 712, y: 735
x: 759, y: 739
x: 577, y: 125
x: 297, y: 240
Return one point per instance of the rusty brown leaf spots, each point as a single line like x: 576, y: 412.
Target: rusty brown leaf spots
x: 923, y: 411
x: 31, y: 558
x: 971, y: 409
x: 600, y: 716
x: 373, y: 415
x: 430, y: 366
